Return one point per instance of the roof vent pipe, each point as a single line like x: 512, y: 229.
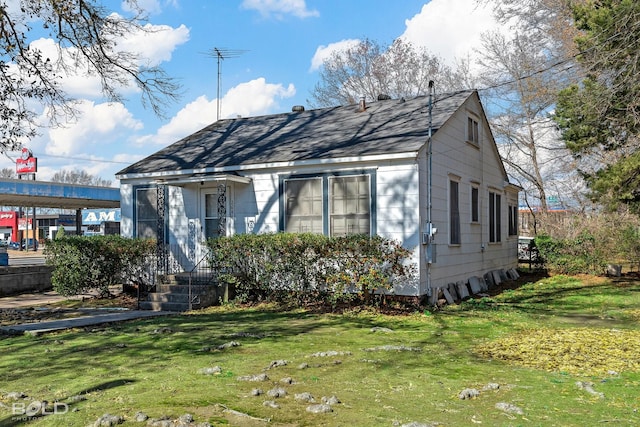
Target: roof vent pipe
x: 363, y: 106
x: 383, y: 97
x: 297, y: 108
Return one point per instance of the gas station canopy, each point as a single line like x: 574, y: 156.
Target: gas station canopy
x: 43, y: 194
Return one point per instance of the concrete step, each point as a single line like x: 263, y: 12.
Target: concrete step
x: 164, y: 306
x: 169, y: 297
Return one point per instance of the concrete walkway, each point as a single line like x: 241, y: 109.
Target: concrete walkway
x: 79, y: 322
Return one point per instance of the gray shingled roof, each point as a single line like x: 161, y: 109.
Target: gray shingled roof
x: 386, y: 127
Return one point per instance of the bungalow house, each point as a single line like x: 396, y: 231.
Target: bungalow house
x: 366, y: 168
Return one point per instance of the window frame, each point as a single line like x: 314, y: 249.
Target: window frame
x: 287, y: 218
x: 495, y: 217
x: 455, y: 236
x: 154, y: 220
x: 473, y: 130
x: 371, y: 175
x: 475, y: 204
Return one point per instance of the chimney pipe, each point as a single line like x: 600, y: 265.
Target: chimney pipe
x: 363, y: 106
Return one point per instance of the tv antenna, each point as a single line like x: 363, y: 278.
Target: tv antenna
x: 220, y: 54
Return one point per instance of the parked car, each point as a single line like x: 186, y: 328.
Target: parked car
x: 29, y: 244
x: 14, y: 245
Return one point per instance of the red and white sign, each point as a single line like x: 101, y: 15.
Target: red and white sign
x: 25, y: 223
x: 26, y: 163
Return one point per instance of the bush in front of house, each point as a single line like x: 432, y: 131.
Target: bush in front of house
x: 309, y: 267
x: 81, y: 264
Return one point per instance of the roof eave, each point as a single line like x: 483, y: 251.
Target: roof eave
x: 273, y: 165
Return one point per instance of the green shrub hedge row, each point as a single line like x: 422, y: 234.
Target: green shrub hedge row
x: 96, y: 262
x: 282, y: 266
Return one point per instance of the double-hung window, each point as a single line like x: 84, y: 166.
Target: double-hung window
x: 495, y: 215
x: 349, y: 200
x: 454, y: 213
x: 473, y: 131
x: 303, y: 205
x: 337, y: 205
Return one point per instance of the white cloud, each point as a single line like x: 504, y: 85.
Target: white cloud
x: 279, y: 8
x: 154, y: 44
x: 450, y: 28
x: 324, y: 52
x: 96, y: 126
x: 252, y: 98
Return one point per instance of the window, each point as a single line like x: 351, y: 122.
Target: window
x: 303, y: 205
x: 495, y: 223
x: 513, y: 220
x: 475, y: 205
x: 472, y: 131
x: 349, y: 204
x: 454, y: 213
x: 147, y: 213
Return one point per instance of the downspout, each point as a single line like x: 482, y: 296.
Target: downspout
x: 429, y: 187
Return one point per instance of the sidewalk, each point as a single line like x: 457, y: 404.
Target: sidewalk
x: 43, y: 298
x: 78, y: 322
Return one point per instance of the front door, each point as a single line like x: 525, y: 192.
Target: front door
x: 216, y: 213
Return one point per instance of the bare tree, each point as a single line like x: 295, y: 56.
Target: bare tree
x: 7, y: 173
x: 369, y: 69
x: 79, y: 177
x: 523, y: 73
x: 86, y: 34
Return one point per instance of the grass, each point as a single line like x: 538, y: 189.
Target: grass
x: 155, y: 365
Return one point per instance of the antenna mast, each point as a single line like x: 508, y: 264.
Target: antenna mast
x: 220, y: 54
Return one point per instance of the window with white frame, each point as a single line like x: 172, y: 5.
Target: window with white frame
x: 303, y: 205
x: 147, y: 213
x: 473, y: 131
x: 495, y: 216
x: 349, y: 200
x: 454, y: 213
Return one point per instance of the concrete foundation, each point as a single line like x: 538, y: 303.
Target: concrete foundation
x: 22, y: 279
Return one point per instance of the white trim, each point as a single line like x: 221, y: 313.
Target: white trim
x: 275, y: 165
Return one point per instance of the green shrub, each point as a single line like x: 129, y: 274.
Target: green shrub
x: 286, y: 266
x: 581, y: 254
x: 94, y: 263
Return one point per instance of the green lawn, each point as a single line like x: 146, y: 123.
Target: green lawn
x: 563, y: 350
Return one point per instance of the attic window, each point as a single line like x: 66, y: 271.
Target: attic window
x: 473, y: 135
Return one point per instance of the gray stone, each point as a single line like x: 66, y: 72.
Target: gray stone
x: 228, y: 345
x: 497, y: 279
x: 488, y: 278
x: 453, y: 290
x: 474, y: 284
x: 15, y: 395
x: 491, y: 386
x: 277, y: 363
x: 319, y: 409
x: 484, y: 286
x: 211, y: 371
x: 254, y: 378
x: 614, y: 270
x: 256, y: 392
x: 305, y: 397
x: 140, y: 417
x: 331, y: 400
x: 303, y: 365
x: 287, y: 380
x: 108, y: 420
x: 468, y: 393
x: 503, y: 275
x: 277, y: 392
x: 463, y: 291
x: 509, y: 408
x: 447, y: 296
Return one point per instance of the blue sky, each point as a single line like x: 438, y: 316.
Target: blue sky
x: 283, y: 43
